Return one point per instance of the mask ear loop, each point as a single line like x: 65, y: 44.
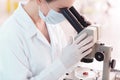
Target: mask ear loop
x: 42, y: 14
x: 41, y: 11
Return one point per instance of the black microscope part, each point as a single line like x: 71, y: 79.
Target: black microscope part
x: 79, y: 17
x: 72, y: 19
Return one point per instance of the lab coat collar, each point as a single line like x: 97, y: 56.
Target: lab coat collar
x: 25, y: 21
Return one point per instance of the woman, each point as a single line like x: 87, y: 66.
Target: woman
x: 33, y: 46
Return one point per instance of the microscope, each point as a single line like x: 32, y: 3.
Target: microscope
x: 101, y: 52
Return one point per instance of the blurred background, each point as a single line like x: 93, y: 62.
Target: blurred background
x: 6, y: 8
x: 106, y: 13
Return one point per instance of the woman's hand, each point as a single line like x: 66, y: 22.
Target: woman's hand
x: 77, y: 49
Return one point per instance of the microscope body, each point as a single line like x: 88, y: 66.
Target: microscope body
x: 100, y: 51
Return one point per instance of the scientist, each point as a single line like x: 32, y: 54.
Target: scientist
x: 33, y: 45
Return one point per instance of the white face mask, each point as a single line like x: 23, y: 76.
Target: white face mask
x: 52, y: 17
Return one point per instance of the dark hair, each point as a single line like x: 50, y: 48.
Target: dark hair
x: 49, y: 0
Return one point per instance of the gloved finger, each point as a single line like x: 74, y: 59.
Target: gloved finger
x: 86, y: 53
x: 80, y: 38
x: 86, y: 47
x: 85, y: 41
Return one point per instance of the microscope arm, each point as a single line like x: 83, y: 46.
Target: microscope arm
x: 100, y: 51
x: 103, y: 53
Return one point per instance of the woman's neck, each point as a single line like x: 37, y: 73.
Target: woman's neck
x: 32, y: 9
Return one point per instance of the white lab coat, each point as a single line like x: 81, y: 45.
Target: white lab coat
x: 25, y: 54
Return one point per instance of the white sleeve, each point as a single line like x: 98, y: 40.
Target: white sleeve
x: 53, y: 72
x: 15, y: 67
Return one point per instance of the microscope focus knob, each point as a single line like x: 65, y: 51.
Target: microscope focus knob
x: 99, y: 56
x: 113, y: 63
x: 86, y: 60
